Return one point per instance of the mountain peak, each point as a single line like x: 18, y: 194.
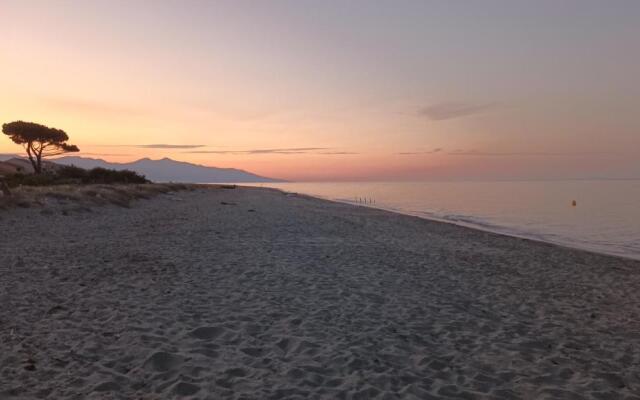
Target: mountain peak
x: 169, y: 170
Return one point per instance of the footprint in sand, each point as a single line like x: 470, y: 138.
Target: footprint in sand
x: 162, y: 361
x: 286, y: 344
x: 236, y: 372
x: 296, y: 373
x: 207, y: 332
x: 185, y: 389
x: 108, y: 386
x: 253, y: 351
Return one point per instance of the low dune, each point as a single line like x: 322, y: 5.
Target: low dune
x: 67, y: 198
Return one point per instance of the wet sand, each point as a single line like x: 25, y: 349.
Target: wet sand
x: 255, y: 294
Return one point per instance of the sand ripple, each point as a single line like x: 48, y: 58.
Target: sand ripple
x: 186, y: 297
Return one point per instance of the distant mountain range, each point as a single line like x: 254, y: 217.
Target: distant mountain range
x: 13, y: 165
x: 164, y: 170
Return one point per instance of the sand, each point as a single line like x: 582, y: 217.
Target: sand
x: 255, y: 294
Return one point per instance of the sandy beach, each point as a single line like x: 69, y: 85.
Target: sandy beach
x: 257, y: 294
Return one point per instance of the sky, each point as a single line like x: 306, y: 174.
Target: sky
x: 334, y: 90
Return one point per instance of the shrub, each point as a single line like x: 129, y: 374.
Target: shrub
x: 103, y: 175
x: 72, y: 172
x: 16, y: 180
x: 73, y: 175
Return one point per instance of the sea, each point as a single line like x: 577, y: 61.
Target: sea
x: 597, y: 215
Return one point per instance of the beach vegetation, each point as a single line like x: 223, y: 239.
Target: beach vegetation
x: 39, y: 141
x: 68, y: 175
x: 83, y: 197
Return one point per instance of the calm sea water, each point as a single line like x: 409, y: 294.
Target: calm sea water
x: 606, y: 217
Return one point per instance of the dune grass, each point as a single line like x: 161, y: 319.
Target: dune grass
x: 87, y: 195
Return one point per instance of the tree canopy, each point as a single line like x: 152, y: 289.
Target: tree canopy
x: 39, y: 141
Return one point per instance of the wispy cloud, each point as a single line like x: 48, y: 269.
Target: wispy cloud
x: 523, y: 153
x: 451, y: 110
x: 201, y: 149
x: 169, y: 146
x: 478, y: 153
x: 155, y: 146
x: 437, y: 150
x: 292, y: 150
x: 295, y: 150
x: 82, y: 153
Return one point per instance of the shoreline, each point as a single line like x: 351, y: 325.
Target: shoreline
x: 255, y: 293
x: 495, y: 229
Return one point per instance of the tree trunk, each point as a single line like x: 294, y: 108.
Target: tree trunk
x: 31, y: 152
x: 4, y: 188
x: 38, y: 163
